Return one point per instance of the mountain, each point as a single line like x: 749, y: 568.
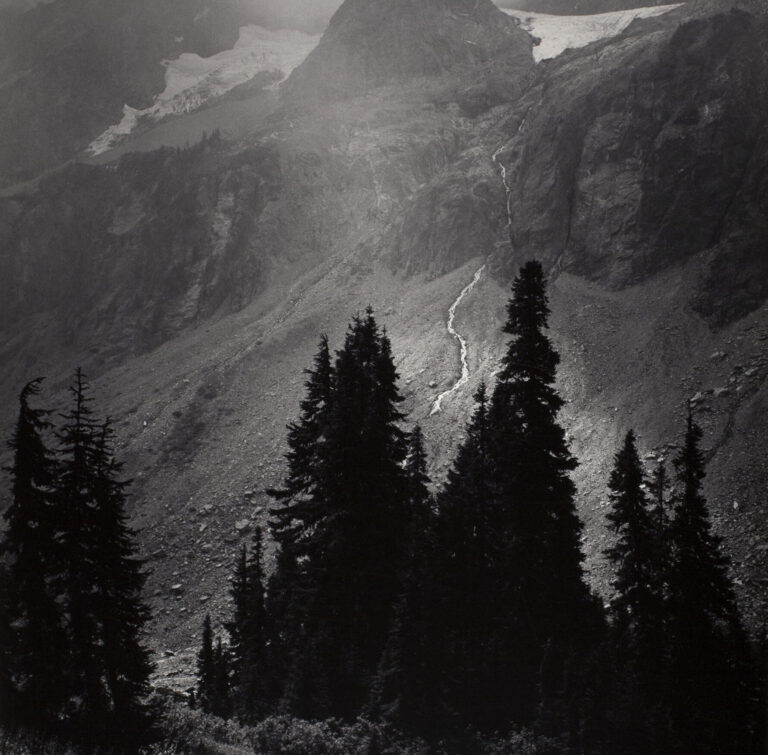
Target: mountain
x: 369, y: 44
x: 68, y: 67
x: 192, y: 283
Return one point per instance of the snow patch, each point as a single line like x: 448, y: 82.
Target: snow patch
x: 192, y: 81
x: 559, y: 33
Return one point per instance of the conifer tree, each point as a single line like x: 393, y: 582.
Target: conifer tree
x: 249, y: 652
x: 709, y: 658
x: 538, y: 528
x: 632, y: 556
x: 107, y: 667
x: 222, y: 697
x: 119, y: 610
x: 78, y: 441
x: 302, y: 502
x: 469, y: 614
x: 34, y: 640
x: 638, y: 602
x: 342, y: 535
x: 206, y: 669
x: 405, y: 690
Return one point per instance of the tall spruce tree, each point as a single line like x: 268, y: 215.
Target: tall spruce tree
x: 637, y: 599
x: 536, y: 521
x: 206, y: 670
x: 119, y: 610
x: 249, y: 636
x: 405, y: 690
x: 638, y: 605
x: 469, y: 613
x: 34, y: 640
x: 302, y: 501
x: 107, y: 667
x: 87, y: 700
x: 709, y: 658
x: 347, y: 529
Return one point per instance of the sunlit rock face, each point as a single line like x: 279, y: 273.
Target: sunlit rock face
x: 371, y: 43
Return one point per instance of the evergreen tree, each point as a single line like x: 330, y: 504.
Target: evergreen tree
x: 206, y: 670
x: 87, y: 704
x: 119, y: 610
x: 636, y: 599
x: 538, y: 529
x: 638, y: 603
x: 107, y: 667
x: 709, y: 658
x: 222, y: 698
x: 302, y: 503
x: 342, y: 534
x: 33, y: 641
x: 405, y: 690
x: 249, y: 651
x: 470, y: 615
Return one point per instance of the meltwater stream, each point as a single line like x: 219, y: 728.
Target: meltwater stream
x: 462, y: 343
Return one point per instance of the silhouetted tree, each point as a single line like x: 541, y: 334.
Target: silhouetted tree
x: 119, y: 610
x: 343, y: 523
x: 709, y: 659
x: 206, y: 669
x: 637, y: 606
x: 405, y: 690
x: 34, y: 640
x: 538, y: 529
x: 248, y: 630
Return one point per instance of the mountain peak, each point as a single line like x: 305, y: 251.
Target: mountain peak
x: 373, y: 42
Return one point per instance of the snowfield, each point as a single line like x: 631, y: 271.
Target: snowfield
x: 560, y: 33
x: 192, y: 81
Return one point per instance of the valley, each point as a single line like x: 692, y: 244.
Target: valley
x: 191, y: 278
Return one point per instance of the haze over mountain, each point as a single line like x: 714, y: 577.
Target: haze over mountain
x: 418, y: 144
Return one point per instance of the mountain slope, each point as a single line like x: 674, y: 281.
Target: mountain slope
x: 193, y: 284
x: 371, y: 43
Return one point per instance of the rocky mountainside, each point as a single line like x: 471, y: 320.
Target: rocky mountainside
x: 369, y: 44
x: 192, y: 284
x: 68, y: 67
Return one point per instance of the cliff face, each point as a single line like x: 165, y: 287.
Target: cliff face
x: 371, y: 43
x: 631, y: 159
x: 192, y: 284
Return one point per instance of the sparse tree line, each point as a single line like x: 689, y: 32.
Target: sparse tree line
x: 446, y: 615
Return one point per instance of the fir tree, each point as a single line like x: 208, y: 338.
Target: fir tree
x: 119, y: 610
x: 88, y: 704
x: 222, y: 697
x: 342, y: 534
x: 537, y: 525
x: 636, y: 598
x: 638, y: 603
x: 302, y: 503
x: 405, y: 690
x: 249, y: 651
x: 710, y: 672
x: 206, y: 670
x: 469, y: 617
x: 34, y: 640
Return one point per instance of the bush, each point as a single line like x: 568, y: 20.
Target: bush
x: 192, y: 731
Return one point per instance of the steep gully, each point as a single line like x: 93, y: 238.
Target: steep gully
x: 463, y: 349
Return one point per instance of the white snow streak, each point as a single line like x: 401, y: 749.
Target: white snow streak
x: 462, y: 343
x: 559, y: 33
x: 192, y: 81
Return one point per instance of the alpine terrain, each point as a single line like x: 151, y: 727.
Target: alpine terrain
x: 191, y: 193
